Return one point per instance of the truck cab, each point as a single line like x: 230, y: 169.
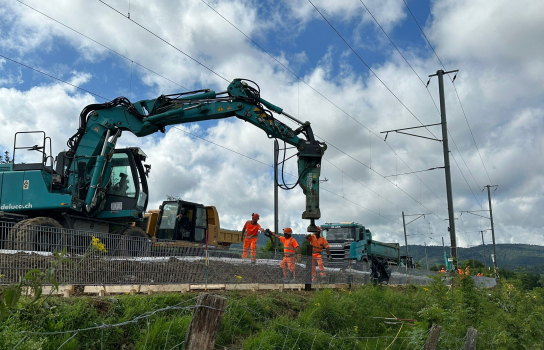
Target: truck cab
x: 340, y: 237
x: 353, y: 241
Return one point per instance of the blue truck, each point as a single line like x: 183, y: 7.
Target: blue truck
x: 351, y: 241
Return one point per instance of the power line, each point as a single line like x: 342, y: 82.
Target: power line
x: 454, y: 87
x: 382, y: 176
x: 98, y: 43
x: 400, y: 53
x: 195, y: 61
x: 327, y: 99
x: 426, y: 87
x: 132, y: 61
x: 479, y: 203
x: 166, y: 42
x: 202, y: 138
x: 419, y: 171
x: 52, y: 77
x: 372, y: 71
x: 369, y: 68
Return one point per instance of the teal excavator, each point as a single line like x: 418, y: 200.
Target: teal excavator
x: 94, y: 186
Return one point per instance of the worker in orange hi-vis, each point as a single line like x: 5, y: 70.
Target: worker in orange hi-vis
x: 442, y: 270
x: 290, y: 247
x: 318, y: 244
x: 250, y: 233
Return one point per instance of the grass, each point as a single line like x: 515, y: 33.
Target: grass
x: 506, y: 317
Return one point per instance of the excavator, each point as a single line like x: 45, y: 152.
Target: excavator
x: 94, y: 186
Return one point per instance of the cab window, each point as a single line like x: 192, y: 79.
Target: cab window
x: 122, y: 179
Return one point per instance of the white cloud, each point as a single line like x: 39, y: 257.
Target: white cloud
x: 498, y: 85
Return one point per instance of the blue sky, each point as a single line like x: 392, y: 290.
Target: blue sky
x: 495, y: 46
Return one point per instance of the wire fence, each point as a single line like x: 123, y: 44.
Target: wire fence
x: 242, y: 327
x: 98, y: 258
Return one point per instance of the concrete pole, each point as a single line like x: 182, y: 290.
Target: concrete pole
x: 426, y: 260
x: 440, y: 74
x: 405, y: 239
x: 276, y: 220
x: 492, y: 233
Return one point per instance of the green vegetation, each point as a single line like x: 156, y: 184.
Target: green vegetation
x: 509, y: 316
x: 5, y: 159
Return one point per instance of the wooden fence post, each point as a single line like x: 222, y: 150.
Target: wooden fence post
x: 206, y: 322
x: 472, y: 336
x: 432, y: 339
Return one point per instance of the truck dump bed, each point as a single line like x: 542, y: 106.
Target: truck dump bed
x: 217, y: 234
x: 391, y: 251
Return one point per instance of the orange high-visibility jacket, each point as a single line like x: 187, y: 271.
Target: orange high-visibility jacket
x: 318, y: 244
x: 289, y: 245
x: 252, y: 231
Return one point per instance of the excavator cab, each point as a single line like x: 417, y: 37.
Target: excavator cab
x: 182, y: 221
x: 128, y: 191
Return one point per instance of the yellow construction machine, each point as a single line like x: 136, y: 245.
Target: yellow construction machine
x: 179, y: 223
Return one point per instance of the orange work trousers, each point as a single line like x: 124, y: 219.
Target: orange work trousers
x: 316, y: 258
x: 253, y: 243
x: 288, y: 262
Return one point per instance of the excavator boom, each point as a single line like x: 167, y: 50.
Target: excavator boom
x: 88, y: 177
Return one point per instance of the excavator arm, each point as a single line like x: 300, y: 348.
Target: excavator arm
x: 91, y: 148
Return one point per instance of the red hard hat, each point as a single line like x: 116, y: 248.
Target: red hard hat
x: 255, y: 216
x: 287, y: 230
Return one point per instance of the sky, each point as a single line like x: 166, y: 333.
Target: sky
x: 83, y: 52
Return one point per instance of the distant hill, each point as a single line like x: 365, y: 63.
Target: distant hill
x: 509, y: 256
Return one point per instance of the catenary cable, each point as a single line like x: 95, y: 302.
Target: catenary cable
x: 166, y: 42
x: 216, y: 144
x: 98, y: 43
x: 454, y: 87
x: 319, y: 93
x: 426, y: 87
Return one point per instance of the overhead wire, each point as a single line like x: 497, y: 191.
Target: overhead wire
x: 427, y: 88
x: 166, y: 42
x: 104, y: 46
x: 330, y: 101
x: 204, y: 139
x: 369, y: 68
x: 50, y: 76
x: 454, y: 87
x: 132, y: 61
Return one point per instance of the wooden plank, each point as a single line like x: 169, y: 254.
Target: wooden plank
x: 165, y: 288
x: 242, y: 286
x: 268, y: 286
x: 293, y: 286
x: 208, y: 287
x: 117, y: 289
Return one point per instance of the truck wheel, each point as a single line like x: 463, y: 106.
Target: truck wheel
x: 134, y: 242
x: 40, y: 234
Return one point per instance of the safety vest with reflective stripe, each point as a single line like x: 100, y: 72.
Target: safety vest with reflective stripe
x: 318, y: 244
x: 289, y: 245
x: 252, y: 231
